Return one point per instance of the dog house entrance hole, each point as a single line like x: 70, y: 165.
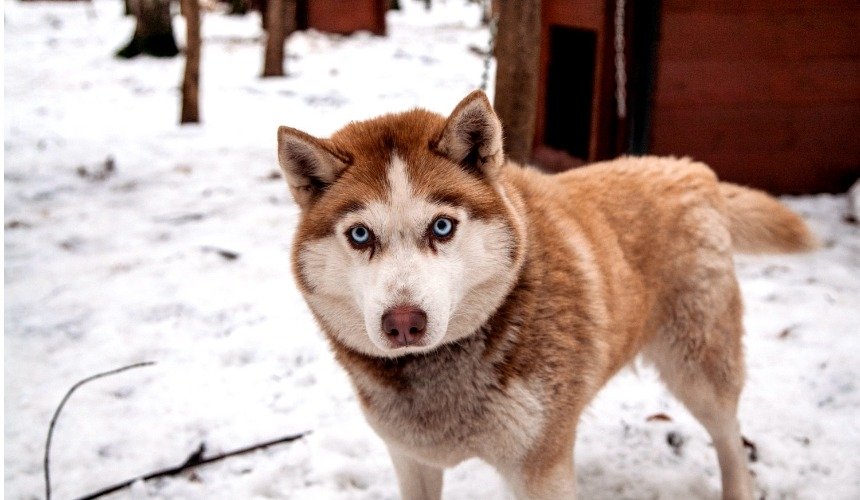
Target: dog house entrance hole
x: 570, y: 90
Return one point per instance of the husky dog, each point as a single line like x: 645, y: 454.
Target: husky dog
x: 479, y: 305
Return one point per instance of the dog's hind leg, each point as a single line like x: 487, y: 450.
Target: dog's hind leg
x: 417, y: 481
x: 703, y: 368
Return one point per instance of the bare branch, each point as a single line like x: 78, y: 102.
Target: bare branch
x: 194, y: 460
x: 47, y: 462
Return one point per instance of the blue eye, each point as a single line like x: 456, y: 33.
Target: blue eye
x: 443, y: 227
x: 359, y: 235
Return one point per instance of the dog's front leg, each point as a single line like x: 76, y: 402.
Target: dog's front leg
x: 418, y: 481
x: 542, y: 480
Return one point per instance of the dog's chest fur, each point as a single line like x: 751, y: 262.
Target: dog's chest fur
x: 452, y: 404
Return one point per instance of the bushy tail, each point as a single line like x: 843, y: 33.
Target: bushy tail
x: 759, y: 223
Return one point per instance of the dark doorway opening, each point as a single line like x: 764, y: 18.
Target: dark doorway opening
x: 570, y: 90
x: 643, y: 38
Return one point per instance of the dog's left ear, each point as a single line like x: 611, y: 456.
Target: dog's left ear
x: 472, y: 136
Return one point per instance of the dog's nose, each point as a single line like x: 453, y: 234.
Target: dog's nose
x: 404, y: 325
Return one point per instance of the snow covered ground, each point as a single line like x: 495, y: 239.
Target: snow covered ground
x: 105, y: 268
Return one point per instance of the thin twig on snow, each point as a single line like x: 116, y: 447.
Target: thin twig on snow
x: 194, y: 460
x: 47, y: 462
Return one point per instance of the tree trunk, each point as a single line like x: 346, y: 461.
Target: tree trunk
x: 517, y: 58
x: 153, y: 34
x: 191, y: 80
x: 281, y: 19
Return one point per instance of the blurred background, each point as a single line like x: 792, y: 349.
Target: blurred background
x: 145, y: 219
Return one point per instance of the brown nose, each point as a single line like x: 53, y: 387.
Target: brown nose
x: 404, y: 325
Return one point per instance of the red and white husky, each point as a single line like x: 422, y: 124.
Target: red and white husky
x: 479, y: 305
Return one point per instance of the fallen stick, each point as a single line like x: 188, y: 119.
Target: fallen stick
x: 47, y: 460
x: 194, y: 460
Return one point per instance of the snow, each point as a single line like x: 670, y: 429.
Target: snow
x: 109, y: 268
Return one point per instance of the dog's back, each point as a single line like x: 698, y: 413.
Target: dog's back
x: 642, y: 198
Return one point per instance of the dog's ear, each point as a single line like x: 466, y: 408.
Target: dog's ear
x: 310, y: 164
x: 472, y: 136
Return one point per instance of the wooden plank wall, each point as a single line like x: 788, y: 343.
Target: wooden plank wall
x: 765, y: 91
x: 347, y: 16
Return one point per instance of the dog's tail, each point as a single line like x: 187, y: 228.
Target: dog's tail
x: 759, y: 223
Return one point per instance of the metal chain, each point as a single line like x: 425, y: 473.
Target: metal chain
x: 620, y: 61
x: 491, y: 44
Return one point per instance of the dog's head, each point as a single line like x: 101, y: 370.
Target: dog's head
x: 408, y: 238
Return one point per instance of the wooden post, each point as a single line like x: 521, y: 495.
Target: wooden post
x: 281, y: 21
x: 191, y: 80
x: 517, y: 59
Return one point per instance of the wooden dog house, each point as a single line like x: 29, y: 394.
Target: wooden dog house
x: 767, y: 92
x: 342, y: 16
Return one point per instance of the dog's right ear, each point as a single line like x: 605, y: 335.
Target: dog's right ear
x: 310, y: 165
